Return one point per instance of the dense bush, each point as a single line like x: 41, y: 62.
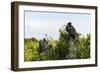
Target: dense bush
x: 84, y: 47
x: 31, y: 50
x: 59, y: 49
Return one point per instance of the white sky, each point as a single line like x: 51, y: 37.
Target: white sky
x: 37, y: 24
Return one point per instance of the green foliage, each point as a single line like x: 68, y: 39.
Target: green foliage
x: 59, y: 49
x: 31, y: 50
x: 84, y: 50
x: 48, y: 55
x: 62, y: 45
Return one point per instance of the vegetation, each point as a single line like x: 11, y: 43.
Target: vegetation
x: 58, y: 49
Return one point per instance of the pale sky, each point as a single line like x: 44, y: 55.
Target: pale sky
x: 37, y: 24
